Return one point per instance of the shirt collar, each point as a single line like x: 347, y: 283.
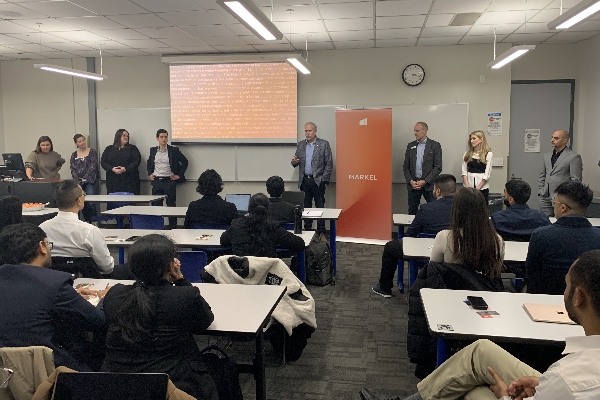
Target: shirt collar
x: 68, y: 214
x: 519, y: 206
x: 162, y: 151
x: 310, y: 144
x: 423, y: 142
x: 581, y: 343
x: 558, y: 153
x: 573, y: 220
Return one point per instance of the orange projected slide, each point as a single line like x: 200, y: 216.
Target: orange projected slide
x: 238, y: 103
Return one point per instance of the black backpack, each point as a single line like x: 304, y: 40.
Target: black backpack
x: 319, y: 267
x: 224, y: 371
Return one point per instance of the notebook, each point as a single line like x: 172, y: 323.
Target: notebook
x: 240, y: 200
x: 548, y: 313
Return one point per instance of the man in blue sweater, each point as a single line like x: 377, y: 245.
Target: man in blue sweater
x: 553, y: 248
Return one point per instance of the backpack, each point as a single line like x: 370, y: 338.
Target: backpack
x: 319, y: 267
x: 224, y: 371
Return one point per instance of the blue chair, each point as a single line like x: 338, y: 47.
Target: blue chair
x: 142, y: 221
x: 288, y: 226
x: 112, y: 206
x: 413, y: 266
x: 192, y: 263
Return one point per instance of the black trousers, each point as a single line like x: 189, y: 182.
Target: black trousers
x: 392, y: 252
x: 414, y: 198
x: 313, y: 191
x: 169, y: 188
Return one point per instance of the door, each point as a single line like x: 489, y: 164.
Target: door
x: 543, y: 105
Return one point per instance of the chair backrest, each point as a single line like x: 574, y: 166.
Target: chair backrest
x: 288, y: 226
x: 110, y: 386
x: 81, y: 267
x: 197, y: 225
x: 426, y: 235
x: 192, y: 263
x: 142, y: 221
x: 295, y: 198
x: 117, y: 204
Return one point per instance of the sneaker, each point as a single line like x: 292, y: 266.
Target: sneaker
x: 385, y: 293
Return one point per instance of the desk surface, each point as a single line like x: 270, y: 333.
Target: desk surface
x: 447, y: 307
x: 328, y: 213
x: 421, y: 248
x: 137, y: 198
x: 237, y: 308
x: 43, y: 211
x: 183, y: 237
x: 403, y: 219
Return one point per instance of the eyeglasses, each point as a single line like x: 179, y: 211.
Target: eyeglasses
x: 554, y: 201
x: 50, y: 245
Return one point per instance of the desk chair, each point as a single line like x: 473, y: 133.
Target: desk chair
x: 142, y: 221
x: 112, y: 206
x: 295, y: 198
x: 414, y: 266
x: 110, y: 386
x: 80, y: 267
x: 192, y: 263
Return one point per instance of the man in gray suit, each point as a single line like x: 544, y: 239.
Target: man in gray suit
x: 560, y: 166
x: 313, y: 176
x: 422, y: 163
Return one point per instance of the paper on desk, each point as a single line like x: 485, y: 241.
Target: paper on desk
x: 488, y: 314
x: 312, y: 213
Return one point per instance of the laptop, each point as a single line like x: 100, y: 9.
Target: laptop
x: 548, y: 313
x: 240, y: 200
x: 110, y: 386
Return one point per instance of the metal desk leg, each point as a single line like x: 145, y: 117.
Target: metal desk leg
x: 413, y: 271
x: 302, y: 266
x: 121, y: 250
x: 332, y: 239
x: 400, y: 278
x: 443, y: 350
x: 259, y: 368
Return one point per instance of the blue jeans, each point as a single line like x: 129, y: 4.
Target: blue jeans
x: 89, y: 209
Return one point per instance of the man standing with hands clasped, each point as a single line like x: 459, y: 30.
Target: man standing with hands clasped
x: 422, y: 163
x: 313, y: 155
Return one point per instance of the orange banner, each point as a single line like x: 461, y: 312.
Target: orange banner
x: 364, y: 173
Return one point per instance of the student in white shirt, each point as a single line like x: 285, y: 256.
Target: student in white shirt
x: 485, y: 371
x: 477, y: 164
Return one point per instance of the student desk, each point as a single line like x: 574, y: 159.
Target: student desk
x: 446, y: 309
x: 240, y: 309
x: 187, y: 238
x: 136, y: 198
x: 331, y: 214
x: 401, y: 221
x: 39, y: 213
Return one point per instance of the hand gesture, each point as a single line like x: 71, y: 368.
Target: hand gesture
x: 175, y: 271
x: 523, y: 387
x: 499, y: 388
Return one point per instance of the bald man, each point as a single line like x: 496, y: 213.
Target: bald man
x: 560, y: 166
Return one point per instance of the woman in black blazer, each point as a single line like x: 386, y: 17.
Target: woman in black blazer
x: 151, y: 323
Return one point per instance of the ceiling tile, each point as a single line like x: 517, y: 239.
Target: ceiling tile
x: 459, y: 6
x: 236, y: 49
x: 11, y: 27
x: 163, y: 50
x: 127, y: 53
x: 58, y: 9
x: 79, y: 36
x: 526, y: 37
x: 110, y: 7
x: 572, y: 36
x: 8, y: 50
x: 120, y: 34
x: 439, y: 20
x: 4, y: 39
x: 404, y: 7
x: 447, y: 31
x: 29, y: 47
x: 240, y: 29
x: 267, y: 3
x: 55, y: 54
x: 47, y: 25
x: 208, y: 30
x: 320, y: 46
x: 190, y: 18
x: 502, y: 17
x: 188, y: 41
x: 69, y: 46
x: 396, y: 42
x: 355, y: 44
x: 398, y: 33
x: 105, y: 45
x: 566, y: 4
x: 272, y: 47
x: 312, y: 37
x: 514, y: 5
x: 441, y: 41
x: 301, y: 26
x: 87, y: 53
x: 29, y: 56
x: 346, y: 10
x: 14, y: 11
x: 167, y: 6
x: 197, y: 49
x: 545, y: 16
x: 480, y: 39
x: 143, y: 44
x: 92, y: 23
x: 352, y: 35
x: 36, y: 37
x: 534, y: 27
x: 141, y: 21
x: 400, y: 22
x: 223, y: 40
x: 223, y: 16
x: 169, y: 32
x: 488, y: 30
x: 300, y: 13
x: 349, y: 24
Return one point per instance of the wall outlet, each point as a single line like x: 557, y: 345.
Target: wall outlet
x: 497, y: 162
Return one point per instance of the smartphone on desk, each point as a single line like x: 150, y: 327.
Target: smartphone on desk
x: 477, y: 302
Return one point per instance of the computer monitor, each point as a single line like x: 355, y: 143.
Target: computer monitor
x: 240, y: 200
x: 13, y: 161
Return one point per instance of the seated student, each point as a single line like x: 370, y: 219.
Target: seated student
x: 518, y: 221
x: 484, y: 371
x: 151, y: 323
x: 38, y: 305
x: 254, y: 235
x: 11, y: 211
x: 211, y: 209
x: 474, y: 265
x: 279, y: 210
x: 554, y: 247
x: 73, y: 238
x: 432, y: 217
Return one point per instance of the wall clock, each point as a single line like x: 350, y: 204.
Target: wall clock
x: 413, y: 75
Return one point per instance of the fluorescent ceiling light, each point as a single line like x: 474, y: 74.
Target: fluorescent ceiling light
x: 300, y: 64
x: 250, y: 15
x: 575, y: 15
x: 510, y: 55
x: 70, y: 71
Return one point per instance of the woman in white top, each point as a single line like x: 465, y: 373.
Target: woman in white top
x: 471, y: 239
x: 477, y: 164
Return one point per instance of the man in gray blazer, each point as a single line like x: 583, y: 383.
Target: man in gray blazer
x: 422, y: 163
x: 560, y: 166
x: 313, y: 176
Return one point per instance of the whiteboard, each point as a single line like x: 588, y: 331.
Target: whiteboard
x: 448, y: 124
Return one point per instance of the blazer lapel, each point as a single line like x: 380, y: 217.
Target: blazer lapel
x: 561, y: 159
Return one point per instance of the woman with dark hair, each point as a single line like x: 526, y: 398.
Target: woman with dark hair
x: 121, y: 161
x: 151, y: 323
x: 44, y: 162
x: 254, y: 235
x: 211, y: 209
x: 11, y: 211
x: 84, y: 168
